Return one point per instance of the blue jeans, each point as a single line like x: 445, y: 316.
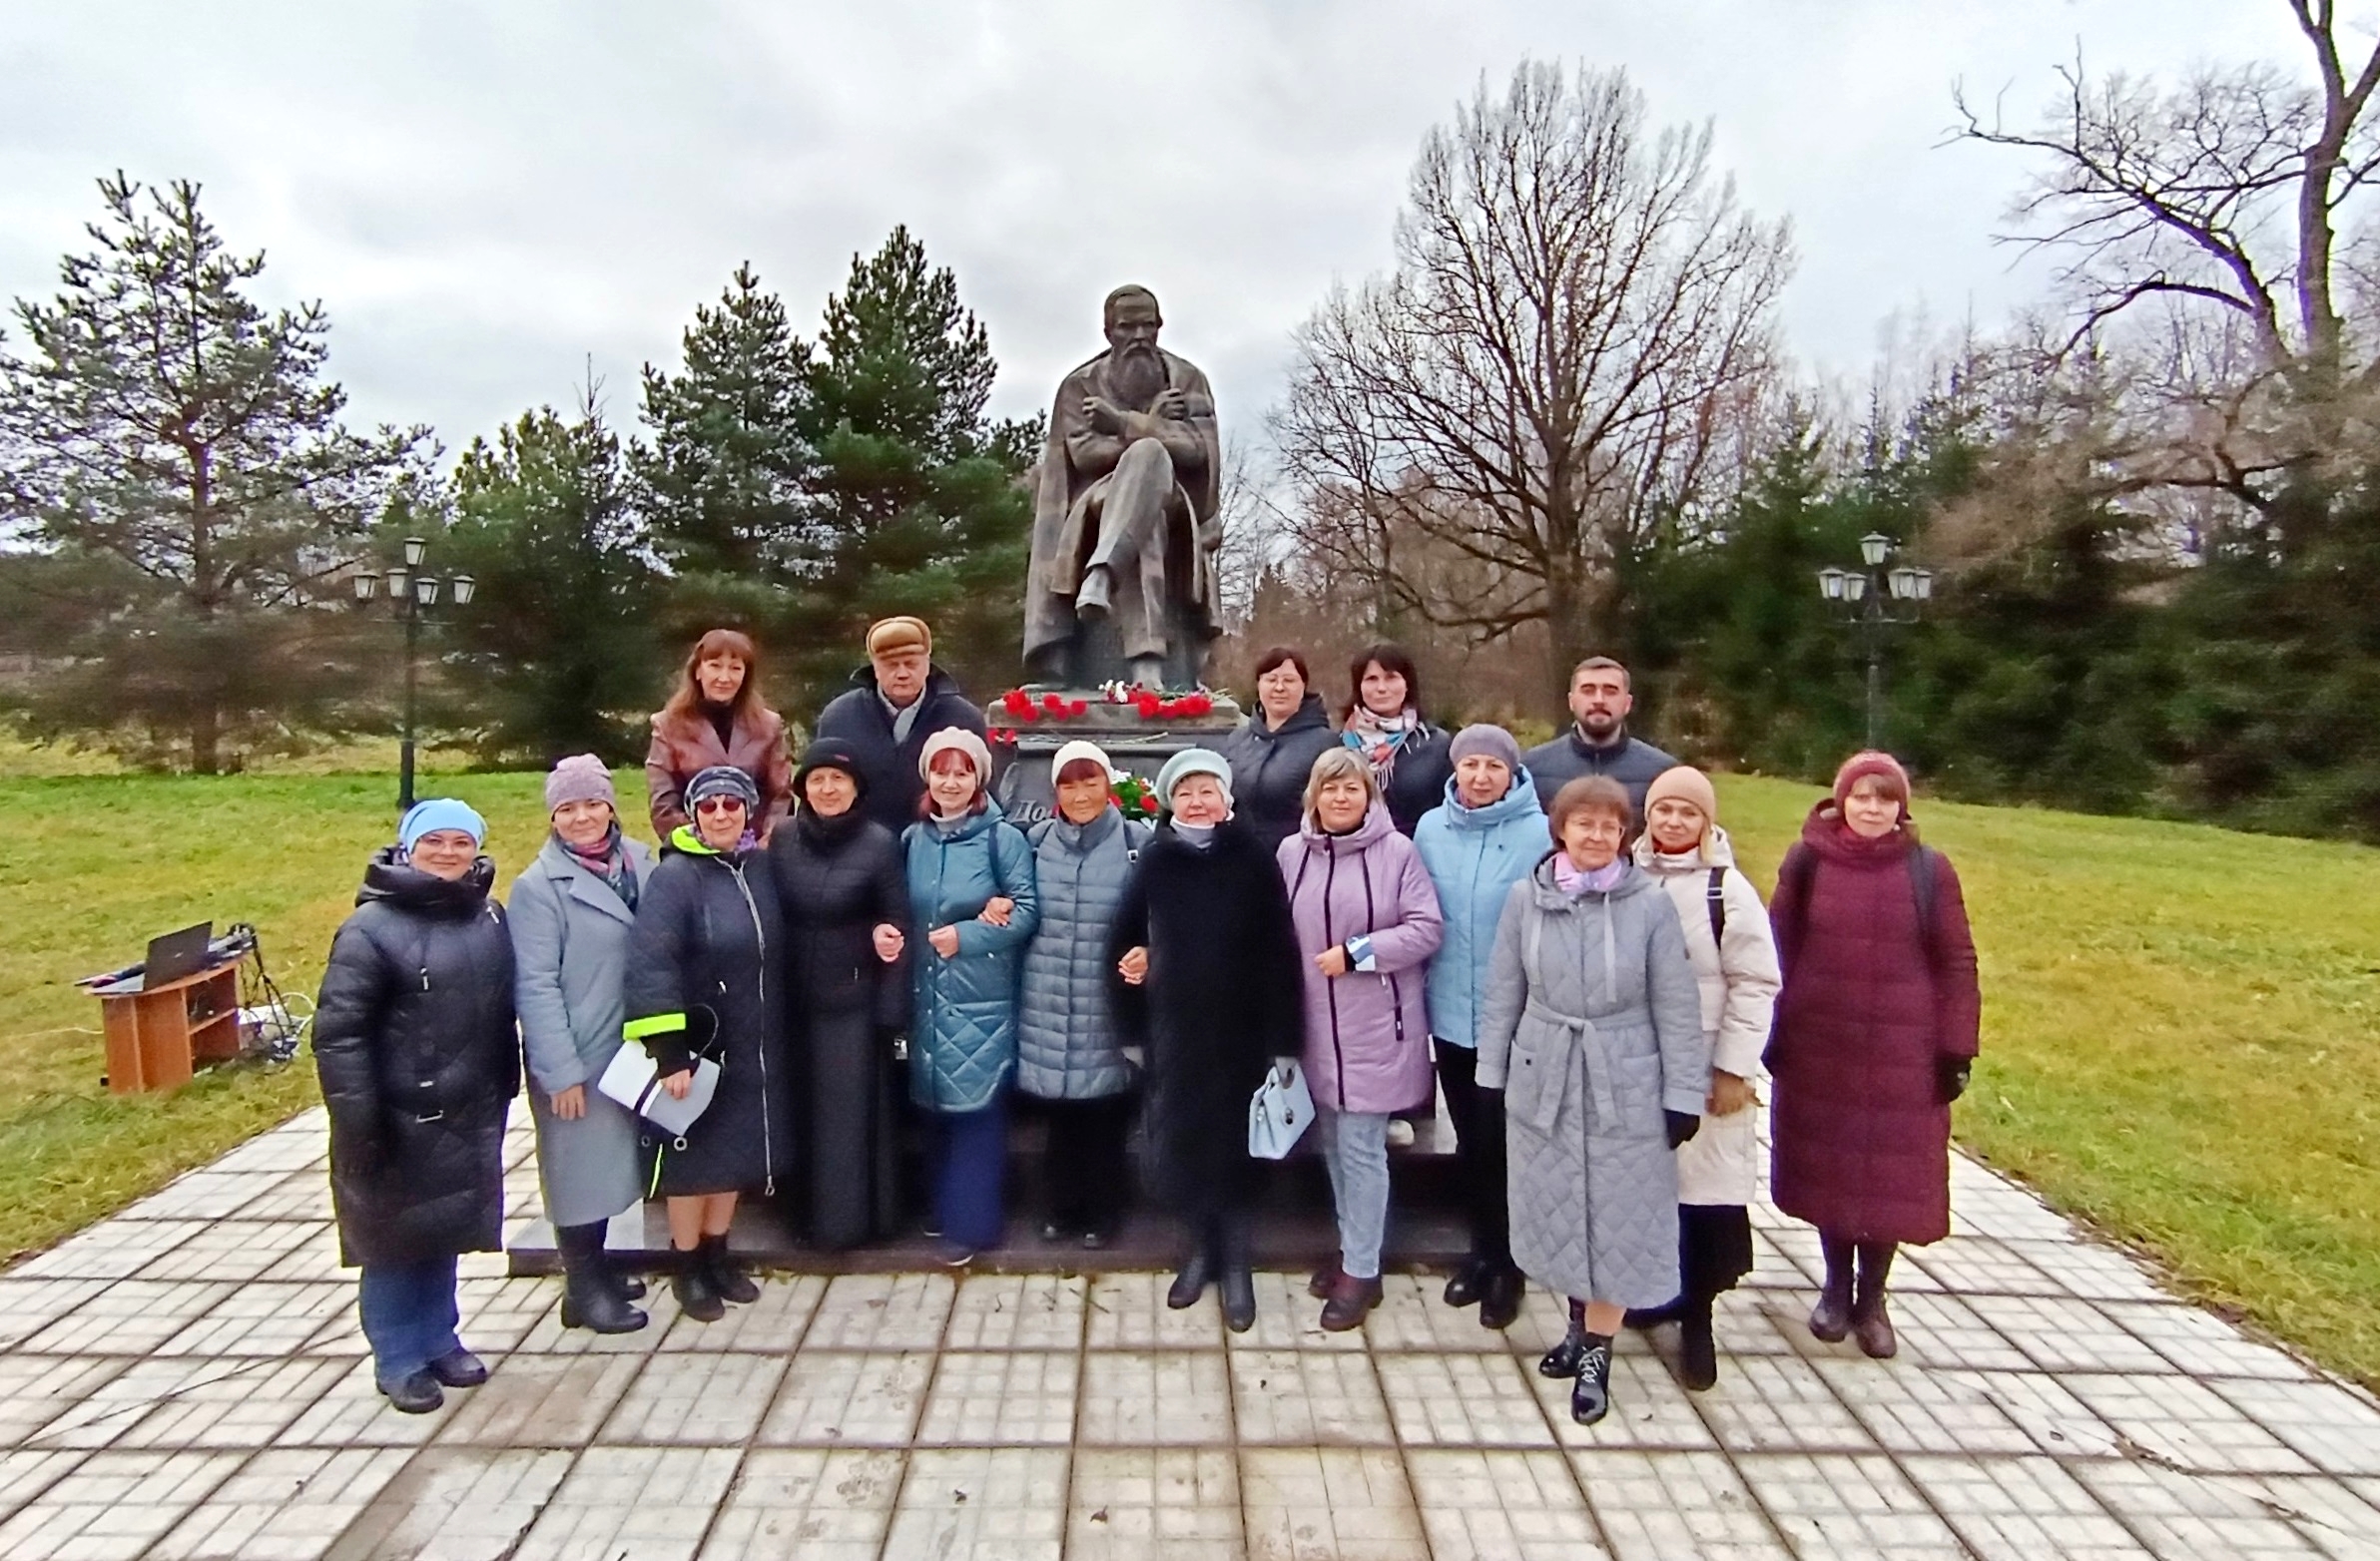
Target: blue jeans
x: 1354, y: 1149
x: 409, y: 1314
x: 972, y: 1160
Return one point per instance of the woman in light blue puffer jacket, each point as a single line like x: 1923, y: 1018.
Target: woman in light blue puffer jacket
x: 971, y: 893
x: 1484, y: 838
x: 1071, y: 1056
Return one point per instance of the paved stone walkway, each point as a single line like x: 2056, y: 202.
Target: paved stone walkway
x: 187, y: 1380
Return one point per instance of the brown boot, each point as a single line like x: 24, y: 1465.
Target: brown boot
x: 1326, y: 1279
x: 1350, y: 1299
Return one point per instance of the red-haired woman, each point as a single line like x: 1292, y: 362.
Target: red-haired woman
x: 1876, y: 1028
x: 717, y: 717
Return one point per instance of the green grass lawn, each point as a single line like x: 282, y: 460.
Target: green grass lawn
x: 2178, y: 1021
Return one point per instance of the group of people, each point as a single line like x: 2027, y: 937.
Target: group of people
x: 861, y: 942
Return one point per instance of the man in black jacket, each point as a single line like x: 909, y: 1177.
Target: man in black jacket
x: 1599, y: 743
x: 899, y: 699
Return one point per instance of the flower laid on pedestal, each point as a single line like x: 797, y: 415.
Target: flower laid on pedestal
x: 1023, y: 707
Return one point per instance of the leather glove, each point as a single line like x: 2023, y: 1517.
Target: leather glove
x: 1681, y: 1126
x: 1949, y: 1077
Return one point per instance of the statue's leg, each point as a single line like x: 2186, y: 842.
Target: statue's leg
x: 1131, y: 516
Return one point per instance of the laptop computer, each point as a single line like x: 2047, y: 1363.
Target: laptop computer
x: 176, y: 954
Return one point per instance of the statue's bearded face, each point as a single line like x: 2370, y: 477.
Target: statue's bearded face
x: 1135, y: 369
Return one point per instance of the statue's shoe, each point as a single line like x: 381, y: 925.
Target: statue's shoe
x: 1091, y: 597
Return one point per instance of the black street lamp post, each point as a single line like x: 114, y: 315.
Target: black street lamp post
x: 414, y: 594
x: 1862, y: 594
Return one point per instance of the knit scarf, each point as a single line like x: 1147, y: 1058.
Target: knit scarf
x: 1380, y: 739
x: 608, y: 861
x: 903, y: 717
x: 1575, y: 880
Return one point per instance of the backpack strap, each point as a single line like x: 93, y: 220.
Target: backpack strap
x: 1714, y: 901
x: 1924, y: 884
x: 1797, y: 873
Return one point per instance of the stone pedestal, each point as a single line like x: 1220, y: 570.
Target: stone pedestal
x: 1140, y: 745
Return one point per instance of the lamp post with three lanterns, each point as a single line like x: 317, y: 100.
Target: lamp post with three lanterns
x: 414, y: 594
x: 1862, y: 593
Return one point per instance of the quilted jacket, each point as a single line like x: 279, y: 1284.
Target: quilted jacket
x: 1721, y: 1162
x: 1367, y: 1034
x: 1474, y: 855
x: 1067, y: 1045
x: 964, y: 1044
x: 1592, y: 1027
x: 414, y: 1041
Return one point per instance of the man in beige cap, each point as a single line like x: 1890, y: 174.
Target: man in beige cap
x: 898, y: 701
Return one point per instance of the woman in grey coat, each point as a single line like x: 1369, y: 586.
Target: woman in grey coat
x: 570, y: 915
x: 1592, y: 1025
x: 1069, y: 1056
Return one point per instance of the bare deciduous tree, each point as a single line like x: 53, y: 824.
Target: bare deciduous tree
x: 2199, y: 229
x: 1544, y: 380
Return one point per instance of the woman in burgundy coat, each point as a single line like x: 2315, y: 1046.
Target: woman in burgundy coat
x: 1876, y: 1028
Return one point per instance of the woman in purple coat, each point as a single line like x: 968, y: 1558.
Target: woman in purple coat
x: 1368, y: 923
x: 1876, y: 1028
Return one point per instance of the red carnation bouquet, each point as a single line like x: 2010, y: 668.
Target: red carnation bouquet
x: 1134, y: 797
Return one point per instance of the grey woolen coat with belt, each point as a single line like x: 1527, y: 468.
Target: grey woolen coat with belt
x: 1592, y: 1025
x: 569, y: 942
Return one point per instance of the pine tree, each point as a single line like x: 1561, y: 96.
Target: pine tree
x: 557, y: 655
x: 179, y: 445
x: 721, y: 482
x: 918, y: 503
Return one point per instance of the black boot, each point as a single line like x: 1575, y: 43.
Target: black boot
x: 1469, y: 1283
x: 1870, y: 1323
x: 1646, y: 1318
x: 588, y: 1299
x: 1239, y: 1285
x: 1590, y: 1394
x: 1198, y: 1271
x: 1500, y: 1304
x: 1830, y: 1320
x: 728, y: 1278
x: 1564, y: 1358
x: 1697, y: 1351
x: 692, y: 1285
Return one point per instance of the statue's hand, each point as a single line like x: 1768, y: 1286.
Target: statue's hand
x: 1104, y: 415
x: 1171, y: 405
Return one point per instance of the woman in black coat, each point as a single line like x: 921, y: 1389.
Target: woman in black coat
x: 1412, y: 761
x: 1208, y: 982
x: 413, y: 1042
x: 845, y: 898
x: 702, y: 982
x: 1273, y: 752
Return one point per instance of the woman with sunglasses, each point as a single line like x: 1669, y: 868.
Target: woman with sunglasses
x: 698, y: 985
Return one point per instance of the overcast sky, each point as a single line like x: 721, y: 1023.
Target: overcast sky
x: 484, y: 196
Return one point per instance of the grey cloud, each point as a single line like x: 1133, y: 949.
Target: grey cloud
x: 486, y: 196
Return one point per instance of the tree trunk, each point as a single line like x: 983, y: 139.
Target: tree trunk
x: 205, y: 741
x: 1570, y: 638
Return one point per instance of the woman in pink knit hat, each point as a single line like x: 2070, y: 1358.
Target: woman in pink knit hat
x: 1876, y: 1028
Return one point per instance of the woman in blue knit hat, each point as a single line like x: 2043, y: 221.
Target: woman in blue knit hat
x: 413, y: 1042
x: 1208, y: 981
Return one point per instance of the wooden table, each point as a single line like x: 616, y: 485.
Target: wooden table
x: 157, y: 1036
